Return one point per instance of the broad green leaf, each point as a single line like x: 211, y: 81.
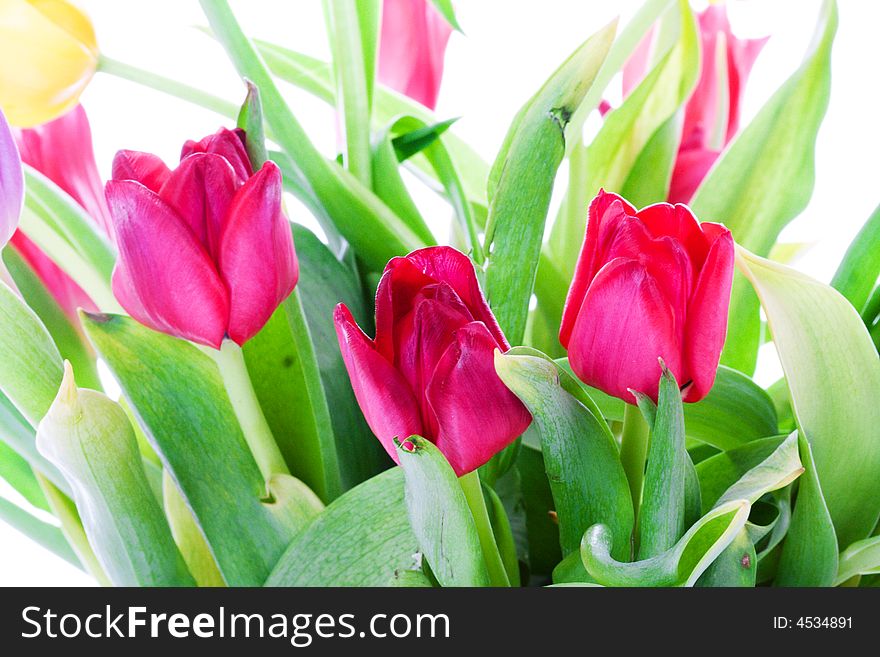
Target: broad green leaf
x: 809, y: 553
x: 409, y: 578
x: 372, y: 229
x: 316, y: 77
x: 283, y: 369
x: 737, y: 565
x: 856, y: 277
x: 765, y: 178
x: 418, y: 139
x: 860, y: 558
x: 682, y: 565
x: 42, y: 533
x: 776, y: 471
x: 580, y: 455
x: 17, y: 472
x: 17, y: 433
x: 542, y: 532
x: 64, y: 232
x: 440, y: 516
x: 735, y: 411
x: 521, y: 182
x: 30, y: 370
x: 250, y: 119
x: 503, y: 532
x: 188, y: 536
x: 361, y: 539
x: 833, y: 373
x: 324, y: 282
x: 175, y: 390
x: 67, y: 336
x: 662, y: 513
x: 649, y: 177
x: 88, y: 437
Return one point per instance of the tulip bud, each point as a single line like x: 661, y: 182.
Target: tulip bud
x: 649, y: 284
x: 48, y: 54
x: 205, y: 251
x: 11, y: 183
x: 430, y: 369
x: 411, y: 48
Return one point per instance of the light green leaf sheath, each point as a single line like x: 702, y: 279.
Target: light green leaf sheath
x: 89, y: 438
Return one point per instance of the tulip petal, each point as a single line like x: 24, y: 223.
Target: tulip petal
x: 624, y: 325
x: 691, y: 167
x: 228, y: 144
x: 11, y: 183
x: 679, y: 223
x: 384, y: 396
x: 707, y: 314
x: 451, y: 266
x: 62, y: 151
x: 476, y: 413
x: 201, y: 190
x: 256, y: 258
x: 395, y: 296
x: 164, y: 277
x: 145, y: 168
x: 606, y: 211
x: 411, y: 48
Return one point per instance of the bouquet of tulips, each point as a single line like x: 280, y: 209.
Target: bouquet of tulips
x: 201, y: 391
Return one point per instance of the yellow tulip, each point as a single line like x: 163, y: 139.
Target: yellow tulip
x: 48, y: 54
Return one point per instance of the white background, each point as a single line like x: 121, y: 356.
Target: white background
x: 508, y: 49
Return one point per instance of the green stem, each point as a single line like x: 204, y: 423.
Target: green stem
x: 233, y: 369
x: 64, y: 510
x: 473, y: 493
x: 166, y: 85
x: 633, y: 451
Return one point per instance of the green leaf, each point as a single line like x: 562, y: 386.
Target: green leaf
x: 250, y: 119
x: 541, y: 530
x: 88, y: 437
x: 64, y: 232
x: 42, y: 533
x: 440, y: 516
x: 737, y: 565
x: 175, y: 390
x: 521, y: 182
x: 283, y: 369
x: 65, y: 334
x: 361, y: 539
x: 17, y: 472
x: 316, y: 77
x: 776, y: 471
x: 445, y: 9
x: 735, y: 411
x: 324, y: 282
x: 30, y: 370
x: 649, y: 177
x: 17, y: 433
x: 833, y: 373
x: 580, y: 455
x: 860, y: 558
x: 857, y: 274
x: 418, y: 139
x: 503, y: 532
x: 809, y: 553
x: 661, y: 517
x: 680, y: 566
x: 374, y: 231
x: 765, y: 178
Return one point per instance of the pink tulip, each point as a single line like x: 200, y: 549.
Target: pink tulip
x: 649, y: 284
x: 411, y: 48
x: 708, y: 127
x: 62, y: 151
x: 205, y: 251
x: 11, y: 183
x: 430, y: 370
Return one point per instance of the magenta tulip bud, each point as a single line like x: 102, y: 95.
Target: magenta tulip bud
x: 430, y: 370
x: 205, y: 251
x: 11, y: 183
x: 649, y: 284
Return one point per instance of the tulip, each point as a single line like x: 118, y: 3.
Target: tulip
x: 649, y: 284
x: 11, y: 183
x: 430, y: 370
x: 205, y: 251
x: 62, y: 151
x: 711, y: 116
x: 411, y: 48
x: 48, y: 54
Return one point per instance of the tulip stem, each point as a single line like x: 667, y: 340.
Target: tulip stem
x: 233, y: 369
x: 633, y: 452
x: 473, y: 493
